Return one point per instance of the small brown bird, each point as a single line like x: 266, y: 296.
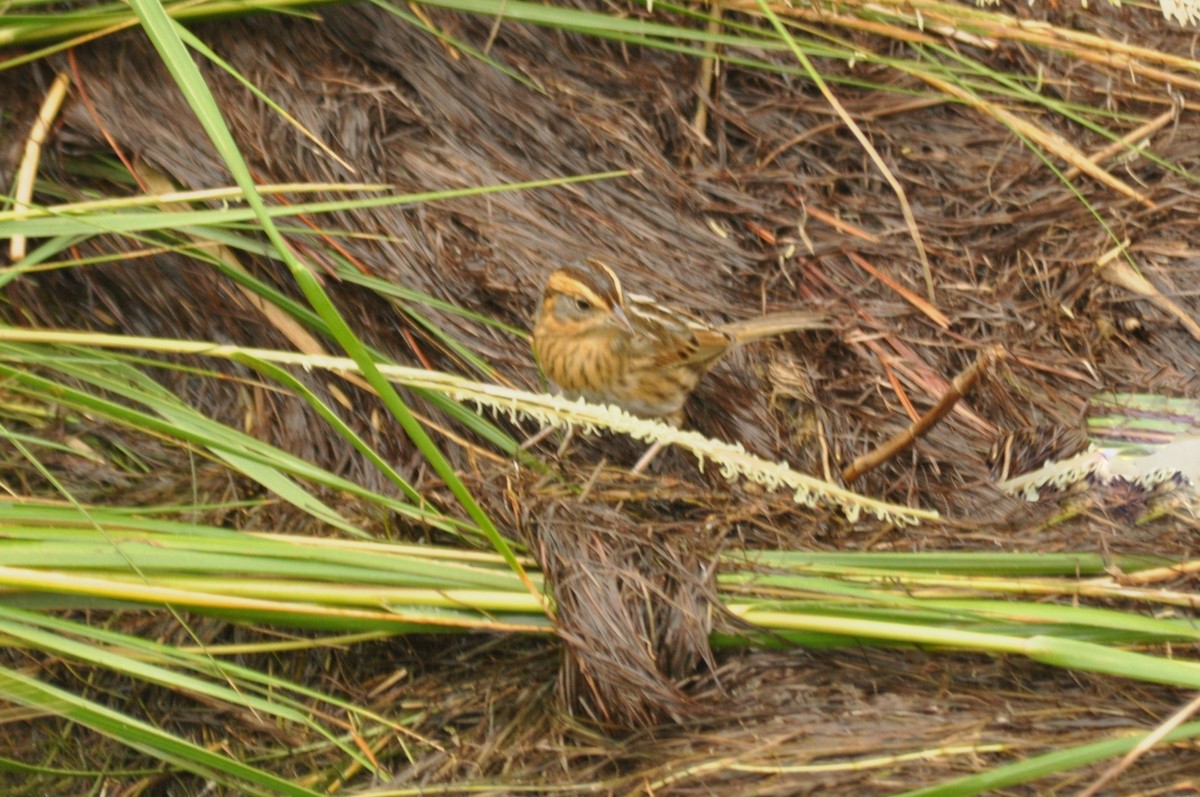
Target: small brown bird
x: 596, y: 342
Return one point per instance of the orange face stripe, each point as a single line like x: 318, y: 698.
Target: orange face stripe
x: 562, y: 282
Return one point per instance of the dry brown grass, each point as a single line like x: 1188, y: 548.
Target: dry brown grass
x: 777, y: 208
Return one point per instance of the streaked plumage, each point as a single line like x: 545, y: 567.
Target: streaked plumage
x: 595, y: 341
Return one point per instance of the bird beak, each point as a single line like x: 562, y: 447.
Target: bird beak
x: 622, y: 319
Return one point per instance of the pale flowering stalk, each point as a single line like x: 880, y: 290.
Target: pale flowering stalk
x: 1184, y: 12
x: 732, y: 459
x: 1141, y: 439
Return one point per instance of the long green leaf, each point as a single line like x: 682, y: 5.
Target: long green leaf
x: 19, y: 688
x: 174, y: 420
x: 163, y: 33
x: 1040, y: 766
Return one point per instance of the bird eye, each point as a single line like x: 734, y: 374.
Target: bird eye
x: 583, y: 305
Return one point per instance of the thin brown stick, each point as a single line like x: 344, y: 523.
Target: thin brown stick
x: 1127, y: 142
x: 935, y: 315
x: 958, y: 388
x: 708, y: 72
x: 905, y: 361
x: 85, y: 98
x: 839, y: 224
x: 1142, y: 747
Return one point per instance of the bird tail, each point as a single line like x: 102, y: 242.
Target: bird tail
x: 775, y: 324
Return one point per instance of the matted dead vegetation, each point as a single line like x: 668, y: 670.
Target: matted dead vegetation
x: 775, y: 206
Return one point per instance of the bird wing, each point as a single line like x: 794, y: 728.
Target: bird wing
x: 676, y: 339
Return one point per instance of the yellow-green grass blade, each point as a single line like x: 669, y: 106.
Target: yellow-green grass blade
x: 22, y: 689
x: 42, y: 221
x: 971, y: 562
x: 20, y: 626
x: 326, y: 413
x: 1031, y: 769
x: 205, y: 663
x: 164, y: 35
x: 1065, y: 653
x: 58, y: 557
x: 174, y: 420
x: 289, y: 604
x: 91, y: 540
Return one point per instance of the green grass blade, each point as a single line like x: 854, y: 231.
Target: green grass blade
x: 42, y: 222
x: 174, y: 420
x: 1031, y: 769
x: 19, y: 688
x: 15, y: 624
x: 330, y: 417
x: 163, y: 33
